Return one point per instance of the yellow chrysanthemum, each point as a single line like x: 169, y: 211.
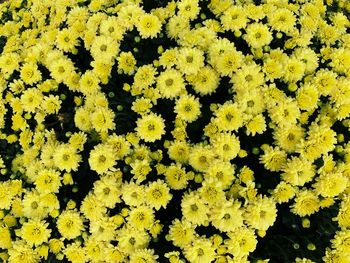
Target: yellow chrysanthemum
x: 141, y: 217
x: 148, y: 26
x: 201, y: 250
x: 150, y: 128
x: 258, y: 35
x: 190, y: 60
x: 48, y: 181
x: 194, y: 209
x: 261, y: 214
x: 102, y: 158
x: 306, y: 203
x: 30, y: 73
x: 170, y: 83
x: 158, y: 194
x: 66, y: 158
x: 35, y: 232
x: 229, y: 117
x: 187, y: 108
x: 102, y: 119
x: 70, y: 224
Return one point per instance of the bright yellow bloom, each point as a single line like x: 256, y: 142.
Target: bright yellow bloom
x: 35, y: 232
x: 150, y: 128
x: 70, y: 224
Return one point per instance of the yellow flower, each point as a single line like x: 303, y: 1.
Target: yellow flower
x: 187, y: 108
x: 150, y: 128
x: 144, y: 76
x: 140, y: 170
x: 282, y: 19
x: 70, y: 224
x: 66, y: 158
x: 176, y: 177
x: 142, y: 106
x: 194, y: 209
x: 307, y: 97
x: 92, y: 208
x: 67, y: 39
x: 103, y: 229
x: 30, y: 73
x: 205, y: 81
x: 176, y: 26
x: 201, y: 250
x: 107, y: 191
x: 170, y: 83
x: 157, y: 194
x: 133, y: 194
x: 221, y: 171
x: 9, y: 61
x: 129, y: 239
x: 141, y: 217
x: 256, y: 125
x: 288, y: 138
x: 181, y: 233
x: 5, y: 237
x: 201, y: 157
x: 241, y: 241
x: 285, y: 112
x: 283, y: 192
x: 148, y: 25
x: 294, y: 70
x: 227, y: 216
x: 273, y: 158
x: 48, y: 181
x: 228, y: 62
x: 190, y: 60
x: 245, y: 79
x: 179, y: 151
x: 341, y: 241
x: 143, y: 255
x: 102, y: 158
x: 229, y: 117
x: 104, y: 48
x: 75, y: 253
x: 121, y: 147
x: 298, y: 171
x: 102, y: 119
x: 168, y: 58
x: 31, y: 99
x: 188, y: 9
x: 33, y: 206
x: 331, y: 184
x: 35, y: 232
x: 20, y: 251
x: 55, y: 245
x: 126, y: 63
x: 82, y: 119
x: 258, y: 35
x: 89, y: 83
x: 234, y: 18
x: 112, y: 27
x: 306, y: 203
x: 61, y: 69
x: 211, y: 192
x: 325, y: 80
x: 6, y: 199
x: 51, y: 104
x: 261, y: 214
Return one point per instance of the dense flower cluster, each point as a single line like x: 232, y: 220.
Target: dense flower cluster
x: 129, y: 125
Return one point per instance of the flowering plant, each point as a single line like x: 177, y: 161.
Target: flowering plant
x: 174, y: 131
